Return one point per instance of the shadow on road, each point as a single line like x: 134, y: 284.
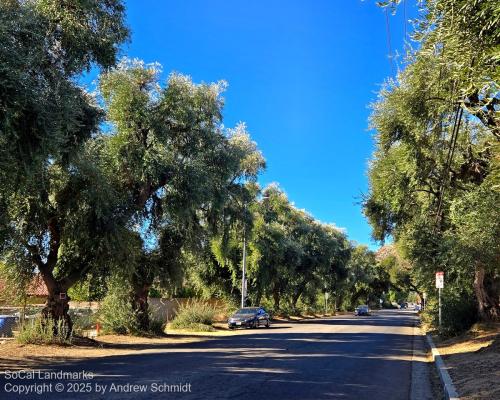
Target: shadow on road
x: 377, y: 318
x: 278, y: 363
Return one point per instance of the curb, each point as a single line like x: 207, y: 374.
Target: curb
x: 449, y: 389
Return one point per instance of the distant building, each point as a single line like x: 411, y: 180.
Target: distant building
x: 37, y: 291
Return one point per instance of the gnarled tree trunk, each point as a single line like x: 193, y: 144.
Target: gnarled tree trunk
x: 486, y: 287
x: 57, y: 305
x: 141, y: 306
x: 56, y: 309
x: 296, y: 295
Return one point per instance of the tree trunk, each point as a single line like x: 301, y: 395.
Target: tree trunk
x: 487, y: 294
x: 57, y: 306
x: 140, y: 305
x: 296, y: 297
x: 258, y: 297
x: 276, y: 297
x: 339, y: 300
x: 56, y: 309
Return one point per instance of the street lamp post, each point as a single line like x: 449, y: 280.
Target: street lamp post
x: 243, y: 277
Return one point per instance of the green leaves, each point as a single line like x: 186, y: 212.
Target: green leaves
x: 434, y: 175
x: 292, y: 254
x: 184, y: 175
x: 83, y: 32
x: 54, y: 219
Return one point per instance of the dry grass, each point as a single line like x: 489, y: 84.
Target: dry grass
x: 473, y: 360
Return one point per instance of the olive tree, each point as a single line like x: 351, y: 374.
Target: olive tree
x: 175, y: 162
x: 53, y: 220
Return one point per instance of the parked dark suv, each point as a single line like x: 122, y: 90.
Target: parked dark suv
x: 249, y: 317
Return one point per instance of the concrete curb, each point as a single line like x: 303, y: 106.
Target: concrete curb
x: 449, y: 389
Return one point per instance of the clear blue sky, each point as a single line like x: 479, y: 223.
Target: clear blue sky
x: 301, y: 75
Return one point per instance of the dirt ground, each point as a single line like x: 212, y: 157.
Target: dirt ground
x: 18, y: 356
x: 473, y: 361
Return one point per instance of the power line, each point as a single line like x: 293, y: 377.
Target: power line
x: 404, y: 19
x: 449, y: 158
x: 389, y: 47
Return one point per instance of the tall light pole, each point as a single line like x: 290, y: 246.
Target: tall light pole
x: 243, y: 276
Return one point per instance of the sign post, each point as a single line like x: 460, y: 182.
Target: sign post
x: 439, y: 286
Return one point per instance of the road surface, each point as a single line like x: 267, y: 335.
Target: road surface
x: 342, y: 357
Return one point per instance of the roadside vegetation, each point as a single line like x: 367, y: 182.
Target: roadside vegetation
x: 44, y: 332
x: 138, y: 189
x: 194, y: 316
x: 435, y: 173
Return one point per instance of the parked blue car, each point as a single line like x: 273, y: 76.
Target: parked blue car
x: 362, y: 310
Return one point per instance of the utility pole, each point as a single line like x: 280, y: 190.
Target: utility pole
x: 243, y: 276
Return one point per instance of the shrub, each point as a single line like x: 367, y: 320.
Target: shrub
x: 269, y: 307
x: 388, y: 304
x: 116, y: 314
x: 286, y: 310
x: 459, y: 313
x: 156, y: 326
x: 43, y: 331
x: 194, y: 315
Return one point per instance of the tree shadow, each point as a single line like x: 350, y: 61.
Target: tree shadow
x: 274, y: 364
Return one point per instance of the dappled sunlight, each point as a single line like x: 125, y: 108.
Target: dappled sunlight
x: 324, y: 357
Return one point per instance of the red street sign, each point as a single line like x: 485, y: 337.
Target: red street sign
x: 439, y: 280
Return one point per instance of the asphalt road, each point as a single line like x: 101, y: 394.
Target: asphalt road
x: 333, y: 358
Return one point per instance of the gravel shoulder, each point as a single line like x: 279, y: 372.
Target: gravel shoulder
x: 473, y: 362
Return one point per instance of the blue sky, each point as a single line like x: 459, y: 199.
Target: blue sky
x: 301, y: 75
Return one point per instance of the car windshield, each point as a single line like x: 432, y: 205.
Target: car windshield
x: 246, y: 311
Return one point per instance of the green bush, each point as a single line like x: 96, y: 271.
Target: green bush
x: 387, y: 304
x: 43, y: 331
x: 268, y: 306
x: 459, y: 313
x: 116, y: 313
x: 286, y: 310
x: 194, y: 315
x: 156, y: 326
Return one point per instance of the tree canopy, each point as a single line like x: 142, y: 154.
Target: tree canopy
x: 54, y: 201
x: 434, y: 182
